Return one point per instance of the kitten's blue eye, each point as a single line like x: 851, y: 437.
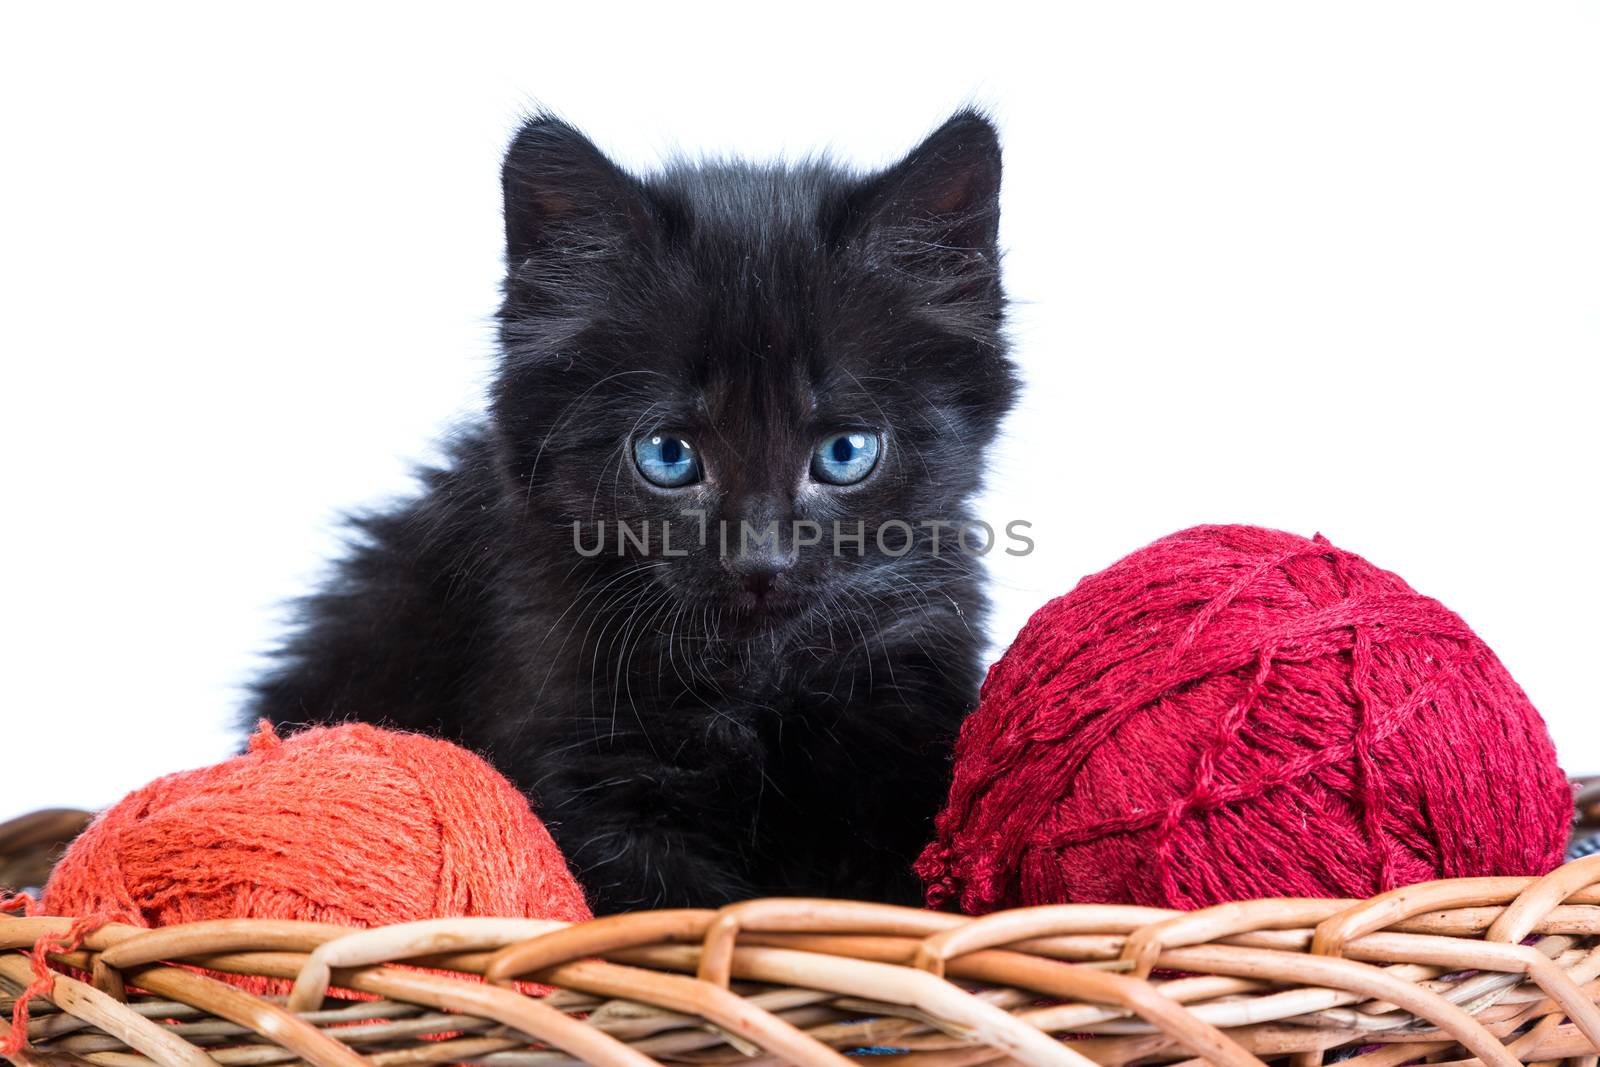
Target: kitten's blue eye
x: 666, y: 460
x: 845, y: 458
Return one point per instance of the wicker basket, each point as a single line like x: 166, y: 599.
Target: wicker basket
x: 1497, y: 971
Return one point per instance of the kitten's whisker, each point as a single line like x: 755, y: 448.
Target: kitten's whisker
x: 625, y: 663
x: 535, y: 706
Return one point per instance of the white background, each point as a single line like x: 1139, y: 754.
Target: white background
x: 1318, y: 266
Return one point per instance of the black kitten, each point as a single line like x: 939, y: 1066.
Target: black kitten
x: 786, y: 371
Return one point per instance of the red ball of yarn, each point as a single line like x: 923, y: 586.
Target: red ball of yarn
x: 1233, y: 712
x: 349, y: 824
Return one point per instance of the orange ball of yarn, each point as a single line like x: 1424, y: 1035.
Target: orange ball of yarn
x: 348, y: 824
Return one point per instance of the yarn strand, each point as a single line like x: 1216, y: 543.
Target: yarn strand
x: 44, y: 979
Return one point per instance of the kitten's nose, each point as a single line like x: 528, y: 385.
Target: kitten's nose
x: 758, y: 579
x: 757, y: 570
x: 764, y: 548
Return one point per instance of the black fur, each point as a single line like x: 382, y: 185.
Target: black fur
x: 689, y: 733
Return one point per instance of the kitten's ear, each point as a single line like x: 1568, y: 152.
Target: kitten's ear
x: 562, y: 191
x: 940, y: 204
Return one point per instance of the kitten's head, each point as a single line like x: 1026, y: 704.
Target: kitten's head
x: 728, y: 346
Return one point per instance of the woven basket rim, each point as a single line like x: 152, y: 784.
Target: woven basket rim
x: 1438, y: 968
